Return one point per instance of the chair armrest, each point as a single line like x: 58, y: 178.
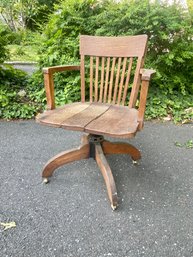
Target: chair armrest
x: 146, y: 74
x: 49, y: 81
x: 54, y: 69
x: 145, y: 78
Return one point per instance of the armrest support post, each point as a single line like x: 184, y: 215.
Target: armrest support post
x: 49, y: 81
x: 49, y: 87
x: 145, y: 78
x: 142, y: 102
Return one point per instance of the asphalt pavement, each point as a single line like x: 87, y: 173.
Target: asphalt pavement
x: 71, y: 216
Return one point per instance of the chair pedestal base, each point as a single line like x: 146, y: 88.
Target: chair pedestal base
x: 94, y: 146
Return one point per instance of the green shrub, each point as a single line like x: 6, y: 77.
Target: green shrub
x: 161, y: 104
x: 24, y: 45
x: 72, y: 18
x: 170, y: 49
x: 3, y: 43
x: 15, y: 98
x: 170, y: 30
x: 61, y: 45
x: 15, y: 101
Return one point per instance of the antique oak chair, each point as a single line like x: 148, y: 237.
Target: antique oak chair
x: 116, y: 79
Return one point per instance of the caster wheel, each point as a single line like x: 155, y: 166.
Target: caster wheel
x: 135, y: 162
x: 113, y: 207
x: 45, y: 181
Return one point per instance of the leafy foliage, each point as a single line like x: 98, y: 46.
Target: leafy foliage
x: 62, y: 32
x: 188, y: 144
x: 22, y: 14
x: 161, y: 104
x: 24, y: 45
x: 170, y: 49
x: 3, y: 43
x: 15, y: 93
x: 15, y: 99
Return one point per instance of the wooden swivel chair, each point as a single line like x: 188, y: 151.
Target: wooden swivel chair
x: 117, y: 79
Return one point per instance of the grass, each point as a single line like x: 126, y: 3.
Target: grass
x: 23, y: 53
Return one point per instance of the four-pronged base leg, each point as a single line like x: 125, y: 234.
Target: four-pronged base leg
x: 96, y: 147
x: 107, y: 175
x: 65, y: 157
x: 121, y: 148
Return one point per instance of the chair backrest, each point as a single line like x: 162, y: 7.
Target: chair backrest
x: 115, y: 64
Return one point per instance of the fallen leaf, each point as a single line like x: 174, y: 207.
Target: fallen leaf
x: 189, y: 110
x: 168, y: 118
x: 186, y: 121
x: 8, y: 225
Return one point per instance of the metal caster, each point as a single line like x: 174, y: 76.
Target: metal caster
x: 45, y: 181
x: 135, y: 162
x: 113, y: 207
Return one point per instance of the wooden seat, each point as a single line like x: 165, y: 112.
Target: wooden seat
x: 116, y: 79
x: 94, y: 118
